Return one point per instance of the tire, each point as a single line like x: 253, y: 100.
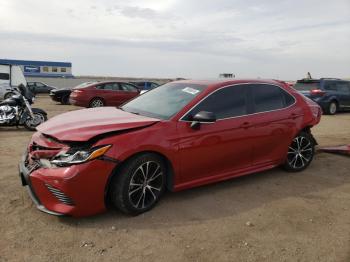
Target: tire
x: 8, y: 95
x: 65, y: 100
x: 332, y: 108
x: 31, y: 124
x: 129, y: 190
x: 97, y: 102
x: 300, y: 153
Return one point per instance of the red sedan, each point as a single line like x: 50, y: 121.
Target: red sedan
x: 103, y: 94
x: 180, y: 135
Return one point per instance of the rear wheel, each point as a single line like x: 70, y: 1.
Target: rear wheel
x: 32, y: 123
x: 139, y: 185
x: 300, y: 153
x: 332, y: 108
x: 96, y: 102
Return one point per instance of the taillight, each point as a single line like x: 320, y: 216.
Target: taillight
x: 318, y: 92
x: 77, y: 91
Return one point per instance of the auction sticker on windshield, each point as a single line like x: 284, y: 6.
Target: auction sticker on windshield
x: 190, y: 90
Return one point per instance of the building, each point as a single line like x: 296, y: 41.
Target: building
x: 42, y: 68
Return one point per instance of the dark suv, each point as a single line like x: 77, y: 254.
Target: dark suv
x: 331, y: 94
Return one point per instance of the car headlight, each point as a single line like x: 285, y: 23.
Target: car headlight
x: 80, y: 156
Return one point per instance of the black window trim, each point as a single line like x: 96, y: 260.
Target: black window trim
x: 6, y: 76
x: 181, y: 119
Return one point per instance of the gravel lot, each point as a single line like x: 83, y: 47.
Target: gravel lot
x: 270, y: 216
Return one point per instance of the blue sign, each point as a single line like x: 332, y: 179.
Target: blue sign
x: 31, y: 69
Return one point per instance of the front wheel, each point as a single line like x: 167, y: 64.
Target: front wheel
x: 138, y: 186
x: 332, y: 108
x: 300, y: 152
x: 32, y: 123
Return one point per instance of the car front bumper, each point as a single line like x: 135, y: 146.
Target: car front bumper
x: 77, y: 190
x: 55, y: 97
x: 24, y: 175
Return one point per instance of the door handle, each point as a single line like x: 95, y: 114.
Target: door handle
x: 246, y: 125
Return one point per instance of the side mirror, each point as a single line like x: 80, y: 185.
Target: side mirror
x: 202, y: 117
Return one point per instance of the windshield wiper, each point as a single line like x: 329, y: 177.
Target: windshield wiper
x: 119, y: 107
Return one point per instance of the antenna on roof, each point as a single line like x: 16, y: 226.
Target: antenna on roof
x: 308, y: 75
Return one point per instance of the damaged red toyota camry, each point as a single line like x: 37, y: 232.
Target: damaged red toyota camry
x: 178, y: 136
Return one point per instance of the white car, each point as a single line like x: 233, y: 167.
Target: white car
x: 10, y: 77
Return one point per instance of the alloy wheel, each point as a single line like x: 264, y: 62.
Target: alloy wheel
x: 332, y: 108
x: 300, y: 152
x: 36, y: 120
x: 146, y: 185
x: 97, y: 103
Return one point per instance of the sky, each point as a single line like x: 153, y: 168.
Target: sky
x: 280, y: 39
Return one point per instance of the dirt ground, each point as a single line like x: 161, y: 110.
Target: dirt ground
x: 270, y: 216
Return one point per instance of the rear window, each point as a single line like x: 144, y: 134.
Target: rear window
x: 4, y: 76
x: 307, y: 86
x: 86, y: 84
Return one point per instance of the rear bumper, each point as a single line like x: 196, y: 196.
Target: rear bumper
x: 321, y: 101
x: 75, y: 102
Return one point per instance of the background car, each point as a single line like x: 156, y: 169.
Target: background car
x: 39, y: 87
x: 11, y: 76
x: 103, y: 94
x: 62, y: 94
x: 331, y: 94
x: 178, y: 136
x: 6, y: 91
x: 145, y: 86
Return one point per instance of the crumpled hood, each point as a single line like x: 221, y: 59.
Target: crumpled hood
x: 82, y: 125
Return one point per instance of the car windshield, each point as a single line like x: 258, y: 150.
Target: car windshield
x: 164, y: 101
x: 306, y: 85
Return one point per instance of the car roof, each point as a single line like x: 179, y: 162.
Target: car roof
x: 224, y: 82
x: 107, y: 82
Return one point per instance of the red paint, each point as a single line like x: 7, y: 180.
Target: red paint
x: 83, y: 96
x: 219, y: 151
x: 81, y: 125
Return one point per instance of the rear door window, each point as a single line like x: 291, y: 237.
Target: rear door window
x: 330, y: 86
x: 343, y: 87
x: 270, y: 97
x: 112, y: 86
x: 128, y: 87
x: 100, y: 86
